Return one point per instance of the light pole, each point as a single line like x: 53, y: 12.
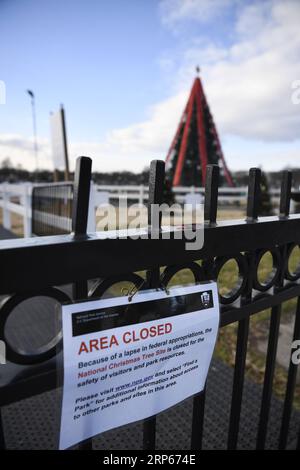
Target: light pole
x: 31, y: 94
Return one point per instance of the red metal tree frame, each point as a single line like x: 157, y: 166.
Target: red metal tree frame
x: 195, y: 107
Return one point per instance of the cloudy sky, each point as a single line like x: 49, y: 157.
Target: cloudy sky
x: 123, y: 70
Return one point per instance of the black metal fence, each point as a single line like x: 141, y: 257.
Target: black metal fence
x: 82, y: 258
x: 52, y: 209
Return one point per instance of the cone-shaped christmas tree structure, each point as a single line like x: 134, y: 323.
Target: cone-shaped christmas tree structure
x: 196, y: 144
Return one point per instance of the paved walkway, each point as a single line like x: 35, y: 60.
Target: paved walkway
x: 34, y: 423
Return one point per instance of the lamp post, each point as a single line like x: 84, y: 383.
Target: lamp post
x: 31, y: 94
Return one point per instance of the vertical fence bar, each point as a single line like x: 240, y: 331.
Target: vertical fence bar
x: 268, y: 378
x: 81, y: 195
x: 156, y: 187
x: 253, y: 202
x: 211, y: 194
x: 2, y: 439
x: 285, y: 194
x: 210, y: 217
x: 79, y: 225
x: 238, y: 383
x: 290, y: 387
x: 198, y: 420
x: 284, y: 207
x: 254, y: 194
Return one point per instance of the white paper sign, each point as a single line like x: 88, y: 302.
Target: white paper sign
x: 126, y: 361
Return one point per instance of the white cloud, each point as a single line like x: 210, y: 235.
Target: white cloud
x: 20, y: 150
x: 174, y: 12
x: 253, y: 18
x: 243, y: 154
x: 249, y: 84
x: 132, y: 148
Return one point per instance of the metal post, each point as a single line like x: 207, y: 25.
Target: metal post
x: 81, y: 198
x: 253, y: 203
x: 210, y: 217
x: 64, y: 131
x: 31, y: 94
x: 284, y: 208
x: 156, y: 185
x: 211, y: 194
x: 6, y: 212
x: 79, y: 227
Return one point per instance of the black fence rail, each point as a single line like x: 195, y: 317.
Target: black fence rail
x: 52, y: 209
x: 82, y: 258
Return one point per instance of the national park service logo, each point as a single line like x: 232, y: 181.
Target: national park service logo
x: 205, y: 298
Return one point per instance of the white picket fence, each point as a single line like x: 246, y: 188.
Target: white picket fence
x: 227, y: 196
x: 140, y: 193
x: 16, y: 198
